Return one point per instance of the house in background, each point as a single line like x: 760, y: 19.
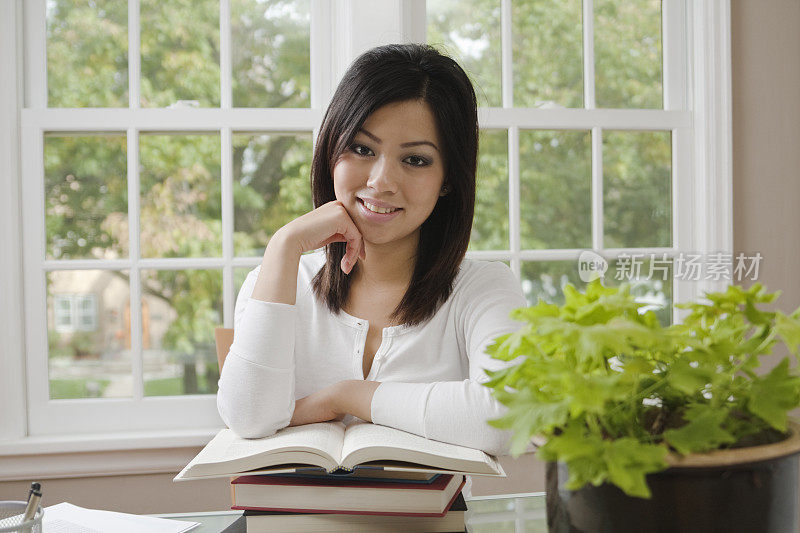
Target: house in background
x: 90, y: 341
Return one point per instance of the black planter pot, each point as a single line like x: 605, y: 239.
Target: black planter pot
x: 746, y: 490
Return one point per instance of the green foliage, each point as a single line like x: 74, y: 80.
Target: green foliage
x: 613, y: 391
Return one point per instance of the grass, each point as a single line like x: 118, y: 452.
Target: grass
x: 174, y: 387
x: 164, y: 387
x: 65, y: 389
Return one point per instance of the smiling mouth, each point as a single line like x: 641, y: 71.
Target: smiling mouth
x: 376, y: 209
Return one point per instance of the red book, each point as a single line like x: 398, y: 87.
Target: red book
x: 345, y: 495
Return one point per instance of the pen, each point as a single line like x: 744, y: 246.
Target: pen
x: 33, y: 502
x: 34, y: 487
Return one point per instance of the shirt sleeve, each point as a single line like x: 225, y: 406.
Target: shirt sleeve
x: 457, y: 411
x: 256, y: 385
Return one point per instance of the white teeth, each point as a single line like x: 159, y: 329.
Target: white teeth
x: 376, y: 209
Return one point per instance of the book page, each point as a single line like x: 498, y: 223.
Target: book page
x: 370, y: 442
x: 228, y: 453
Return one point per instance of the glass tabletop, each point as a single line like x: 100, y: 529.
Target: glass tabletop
x: 507, y: 513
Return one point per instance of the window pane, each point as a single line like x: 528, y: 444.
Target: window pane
x: 628, y: 58
x: 180, y: 309
x: 469, y: 31
x: 239, y: 275
x: 180, y: 196
x: 87, y: 313
x: 545, y: 280
x: 63, y: 313
x: 637, y: 189
x: 180, y: 52
x: 95, y: 360
x: 555, y: 189
x: 650, y: 279
x: 87, y: 53
x: 271, y: 186
x: 271, y: 53
x: 548, y: 53
x: 86, y: 197
x: 490, y: 225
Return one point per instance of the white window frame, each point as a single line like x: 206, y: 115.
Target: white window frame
x: 697, y: 112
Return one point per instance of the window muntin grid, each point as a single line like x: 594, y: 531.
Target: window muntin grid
x: 228, y: 122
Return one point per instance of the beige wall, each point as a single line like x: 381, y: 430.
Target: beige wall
x: 766, y: 194
x: 766, y: 139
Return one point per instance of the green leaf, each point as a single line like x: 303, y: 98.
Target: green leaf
x: 539, y: 310
x: 582, y: 452
x: 703, y: 432
x: 591, y: 393
x: 629, y: 461
x: 527, y: 420
x: 774, y: 395
x: 688, y: 379
x: 789, y: 330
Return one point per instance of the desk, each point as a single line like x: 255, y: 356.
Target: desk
x: 510, y: 513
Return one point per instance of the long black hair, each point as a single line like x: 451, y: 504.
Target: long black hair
x: 380, y: 76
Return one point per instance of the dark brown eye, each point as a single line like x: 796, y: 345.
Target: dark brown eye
x: 360, y: 149
x: 416, y: 161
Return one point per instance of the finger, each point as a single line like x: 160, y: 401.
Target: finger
x: 337, y: 237
x: 354, y: 245
x: 352, y: 252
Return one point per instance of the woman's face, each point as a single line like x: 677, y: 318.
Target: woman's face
x: 394, y: 164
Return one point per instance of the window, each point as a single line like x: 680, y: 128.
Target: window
x: 169, y: 140
x: 75, y: 312
x: 162, y: 148
x: 578, y: 143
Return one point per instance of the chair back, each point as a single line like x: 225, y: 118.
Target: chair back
x: 223, y: 337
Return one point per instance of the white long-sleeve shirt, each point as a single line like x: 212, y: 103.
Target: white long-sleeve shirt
x: 430, y: 375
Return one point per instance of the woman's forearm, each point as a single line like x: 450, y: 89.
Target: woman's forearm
x: 456, y: 412
x: 277, y: 279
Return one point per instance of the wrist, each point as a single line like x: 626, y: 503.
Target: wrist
x: 339, y: 393
x: 282, y: 243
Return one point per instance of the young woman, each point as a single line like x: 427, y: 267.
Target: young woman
x: 389, y: 322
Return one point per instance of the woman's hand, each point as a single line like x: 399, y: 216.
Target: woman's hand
x: 352, y: 397
x: 316, y: 407
x: 277, y: 280
x: 326, y: 224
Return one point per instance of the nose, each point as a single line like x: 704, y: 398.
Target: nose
x: 382, y: 176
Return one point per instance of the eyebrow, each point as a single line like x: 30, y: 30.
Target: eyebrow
x: 404, y: 145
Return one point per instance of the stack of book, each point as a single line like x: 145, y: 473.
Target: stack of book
x: 329, y: 477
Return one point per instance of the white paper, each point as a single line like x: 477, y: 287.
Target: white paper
x: 68, y: 518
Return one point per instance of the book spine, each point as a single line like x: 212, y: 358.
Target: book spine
x: 345, y: 511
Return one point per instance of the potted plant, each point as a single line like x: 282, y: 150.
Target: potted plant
x: 654, y: 428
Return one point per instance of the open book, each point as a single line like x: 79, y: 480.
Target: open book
x: 334, y: 447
